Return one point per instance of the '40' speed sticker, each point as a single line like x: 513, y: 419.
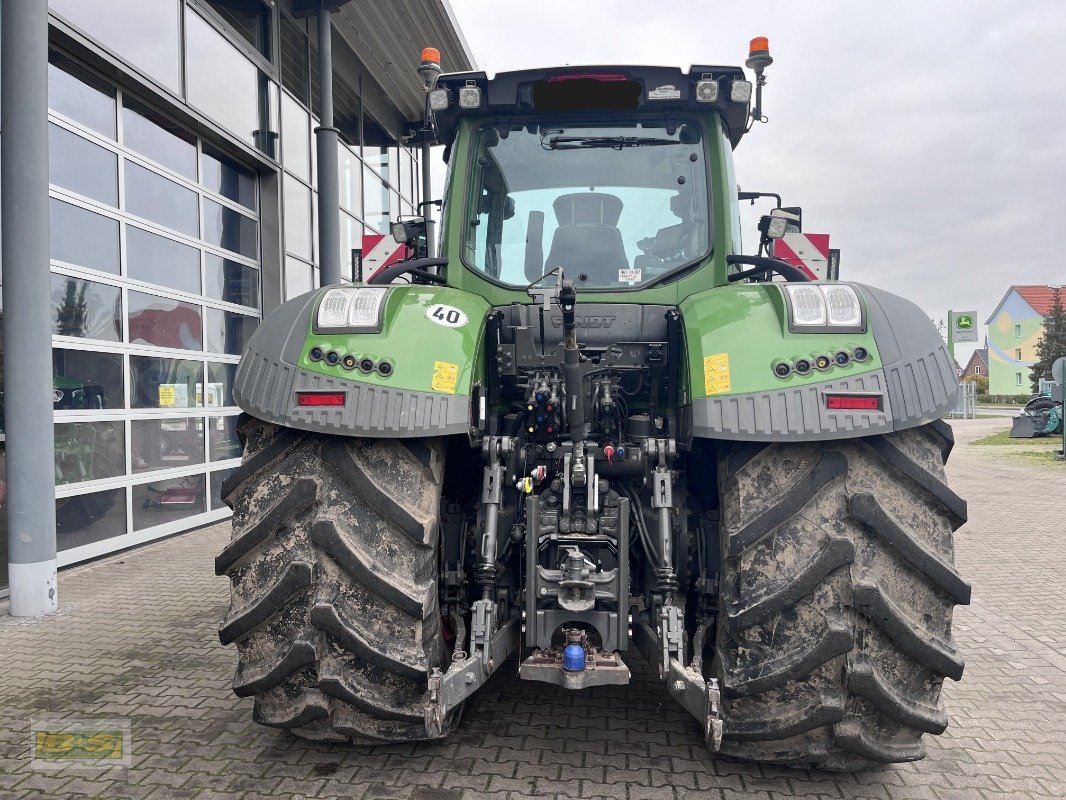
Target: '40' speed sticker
x: 448, y: 316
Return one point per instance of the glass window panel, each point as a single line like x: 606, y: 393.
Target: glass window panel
x: 153, y: 135
x: 158, y: 502
x: 222, y: 433
x: 78, y: 95
x: 221, y: 81
x: 347, y: 109
x: 405, y: 175
x: 376, y: 202
x: 83, y: 237
x: 217, y: 478
x: 88, y: 518
x: 165, y: 382
x: 161, y: 200
x: 228, y: 332
x: 351, y: 183
x: 295, y: 69
x: 87, y: 309
x: 166, y: 443
x: 295, y: 138
x: 225, y: 227
x: 86, y: 379
x: 231, y: 281
x: 377, y: 155
x: 164, y: 322
x: 157, y: 259
x: 81, y: 166
x: 249, y: 20
x: 298, y: 278
x: 297, y: 222
x: 147, y: 34
x: 89, y: 451
x: 220, y: 379
x: 226, y: 177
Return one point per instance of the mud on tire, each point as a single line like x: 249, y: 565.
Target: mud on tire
x: 838, y: 587
x: 333, y: 568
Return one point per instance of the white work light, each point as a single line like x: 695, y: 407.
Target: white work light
x: 469, y: 95
x: 706, y: 90
x: 808, y: 307
x: 357, y: 307
x: 842, y: 303
x: 438, y: 99
x: 828, y: 306
x: 740, y: 91
x: 776, y: 227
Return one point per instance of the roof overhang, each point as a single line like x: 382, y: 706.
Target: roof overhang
x: 388, y: 36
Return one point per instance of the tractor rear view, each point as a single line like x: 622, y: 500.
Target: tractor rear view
x: 588, y: 426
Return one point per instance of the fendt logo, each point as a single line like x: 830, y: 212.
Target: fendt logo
x: 587, y: 321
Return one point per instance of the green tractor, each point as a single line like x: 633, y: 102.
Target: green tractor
x: 588, y: 425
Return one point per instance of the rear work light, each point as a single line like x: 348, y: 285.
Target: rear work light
x: 320, y: 398
x: 853, y: 402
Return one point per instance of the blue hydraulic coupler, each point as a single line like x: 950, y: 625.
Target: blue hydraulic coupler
x: 574, y: 658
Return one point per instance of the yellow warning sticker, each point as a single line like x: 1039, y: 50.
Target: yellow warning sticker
x: 445, y: 376
x: 716, y: 373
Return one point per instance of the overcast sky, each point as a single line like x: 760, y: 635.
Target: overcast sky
x: 928, y: 138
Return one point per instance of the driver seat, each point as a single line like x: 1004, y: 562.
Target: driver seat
x: 588, y: 241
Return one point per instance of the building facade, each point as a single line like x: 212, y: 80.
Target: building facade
x: 977, y: 366
x: 183, y: 197
x: 1014, y: 329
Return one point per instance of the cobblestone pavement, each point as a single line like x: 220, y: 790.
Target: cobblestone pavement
x: 135, y: 641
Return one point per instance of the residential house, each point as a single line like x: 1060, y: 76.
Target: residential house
x: 977, y: 365
x: 1014, y: 329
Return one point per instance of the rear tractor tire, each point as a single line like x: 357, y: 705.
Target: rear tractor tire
x: 333, y: 567
x: 838, y: 586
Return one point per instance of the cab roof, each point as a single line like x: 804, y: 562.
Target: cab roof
x: 591, y: 90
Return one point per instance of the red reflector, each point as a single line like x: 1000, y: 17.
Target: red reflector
x: 320, y: 398
x: 851, y: 402
x: 603, y: 77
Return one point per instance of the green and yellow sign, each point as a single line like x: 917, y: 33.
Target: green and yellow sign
x: 964, y: 326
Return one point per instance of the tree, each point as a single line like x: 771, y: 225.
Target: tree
x: 981, y: 381
x: 1052, y: 344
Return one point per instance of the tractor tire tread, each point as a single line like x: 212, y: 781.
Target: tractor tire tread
x: 837, y: 586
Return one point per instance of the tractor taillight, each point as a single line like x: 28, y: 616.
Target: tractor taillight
x: 320, y: 398
x: 853, y: 402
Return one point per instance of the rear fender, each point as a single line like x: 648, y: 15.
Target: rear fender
x: 435, y: 358
x: 736, y: 335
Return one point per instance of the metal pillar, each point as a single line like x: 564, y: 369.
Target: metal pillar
x: 427, y: 195
x: 31, y: 515
x: 326, y: 137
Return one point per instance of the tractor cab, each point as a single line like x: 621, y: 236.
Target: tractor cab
x: 611, y: 175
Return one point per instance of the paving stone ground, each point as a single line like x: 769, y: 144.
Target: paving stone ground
x: 136, y: 641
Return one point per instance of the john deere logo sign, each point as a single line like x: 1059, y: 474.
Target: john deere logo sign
x: 964, y: 327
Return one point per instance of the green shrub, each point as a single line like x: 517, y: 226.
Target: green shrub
x: 1004, y: 399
